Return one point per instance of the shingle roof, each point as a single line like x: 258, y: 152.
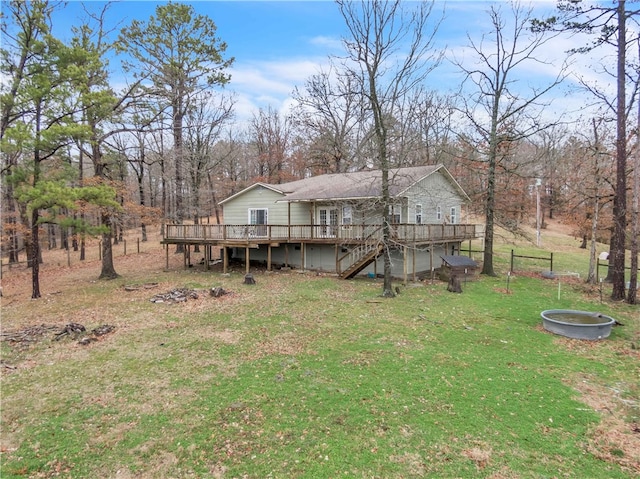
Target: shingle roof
x: 459, y: 261
x: 350, y: 186
x: 360, y: 184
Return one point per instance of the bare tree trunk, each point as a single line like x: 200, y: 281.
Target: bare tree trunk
x: 165, y: 204
x: 178, y: 152
x: 635, y: 215
x: 591, y: 277
x: 213, y: 198
x: 108, y: 270
x: 635, y: 229
x: 490, y: 201
x: 35, y: 254
x: 618, y: 243
x: 143, y: 226
x: 35, y: 215
x: 82, y: 217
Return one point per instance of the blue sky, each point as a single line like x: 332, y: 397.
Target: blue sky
x: 277, y: 45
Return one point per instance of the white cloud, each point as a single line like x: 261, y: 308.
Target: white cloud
x: 269, y: 84
x: 330, y: 43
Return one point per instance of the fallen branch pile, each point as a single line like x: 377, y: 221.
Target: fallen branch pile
x: 30, y: 334
x: 178, y: 295
x: 33, y: 334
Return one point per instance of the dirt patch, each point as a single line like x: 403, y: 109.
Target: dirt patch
x: 613, y: 439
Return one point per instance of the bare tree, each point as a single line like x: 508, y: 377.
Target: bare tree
x: 390, y: 52
x: 333, y: 117
x: 498, y: 111
x: 632, y: 295
x: 179, y: 52
x: 609, y: 24
x: 596, y: 171
x: 271, y: 136
x: 204, y: 125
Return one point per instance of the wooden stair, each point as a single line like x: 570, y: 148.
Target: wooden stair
x: 365, y: 255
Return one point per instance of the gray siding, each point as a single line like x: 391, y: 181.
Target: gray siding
x: 432, y: 192
x: 236, y: 211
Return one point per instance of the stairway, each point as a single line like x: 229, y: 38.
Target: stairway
x: 362, y: 257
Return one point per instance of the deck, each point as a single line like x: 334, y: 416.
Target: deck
x: 248, y: 235
x: 363, y: 242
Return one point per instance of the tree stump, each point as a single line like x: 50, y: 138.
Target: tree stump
x: 454, y: 285
x: 218, y: 291
x: 249, y: 279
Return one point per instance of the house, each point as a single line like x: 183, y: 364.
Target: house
x: 333, y: 223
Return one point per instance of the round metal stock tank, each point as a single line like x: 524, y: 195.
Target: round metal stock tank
x: 577, y: 324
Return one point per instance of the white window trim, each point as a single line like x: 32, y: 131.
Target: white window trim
x: 438, y: 213
x: 328, y: 229
x: 418, y: 213
x: 266, y: 215
x: 347, y: 214
x: 454, y: 215
x: 395, y: 211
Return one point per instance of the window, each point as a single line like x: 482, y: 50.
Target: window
x: 328, y: 221
x: 438, y: 213
x: 347, y: 215
x: 395, y: 214
x: 454, y: 215
x: 258, y: 217
x: 418, y: 214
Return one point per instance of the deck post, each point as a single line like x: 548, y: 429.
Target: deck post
x: 302, y: 256
x: 286, y: 255
x: 225, y: 260
x: 337, y: 261
x: 207, y: 255
x: 269, y: 257
x: 415, y: 249
x: 405, y: 266
x: 246, y: 259
x: 166, y: 250
x: 431, y: 259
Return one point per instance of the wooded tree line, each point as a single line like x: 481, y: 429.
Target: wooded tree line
x: 93, y: 158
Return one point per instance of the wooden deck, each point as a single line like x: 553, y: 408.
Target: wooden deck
x: 362, y: 241
x: 247, y: 235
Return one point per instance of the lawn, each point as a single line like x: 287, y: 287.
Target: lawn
x: 305, y: 375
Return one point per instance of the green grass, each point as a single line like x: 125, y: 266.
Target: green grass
x: 307, y: 376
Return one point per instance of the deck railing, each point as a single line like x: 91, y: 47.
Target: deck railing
x: 329, y: 233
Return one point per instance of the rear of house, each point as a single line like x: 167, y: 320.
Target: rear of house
x: 333, y: 223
